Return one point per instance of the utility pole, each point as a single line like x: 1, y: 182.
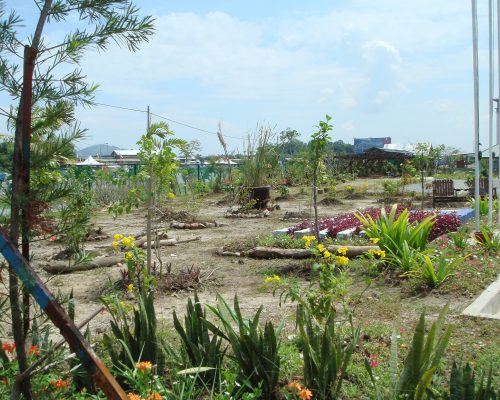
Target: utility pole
x: 490, y: 109
x: 476, y: 113
x: 150, y: 201
x: 498, y: 98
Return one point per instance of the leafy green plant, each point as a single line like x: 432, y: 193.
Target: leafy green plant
x: 463, y: 385
x: 420, y: 364
x: 131, y: 343
x: 484, y: 205
x: 436, y: 270
x: 403, y: 256
x: 390, y: 189
x: 390, y: 233
x: 281, y: 241
x: 75, y: 212
x: 317, y: 150
x: 489, y: 240
x: 326, y: 357
x: 253, y: 349
x: 258, y: 155
x: 198, y: 348
x: 284, y: 191
x: 459, y: 238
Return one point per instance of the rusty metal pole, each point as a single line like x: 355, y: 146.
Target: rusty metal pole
x: 96, y: 369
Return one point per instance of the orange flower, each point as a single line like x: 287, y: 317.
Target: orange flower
x: 59, y: 384
x: 144, y: 365
x: 305, y: 394
x: 9, y: 347
x: 5, y: 380
x: 34, y: 350
x: 155, y: 396
x: 294, y: 385
x: 133, y: 396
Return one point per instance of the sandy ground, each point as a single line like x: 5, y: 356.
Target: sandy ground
x: 231, y: 275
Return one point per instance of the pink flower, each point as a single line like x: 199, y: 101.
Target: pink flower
x: 53, y: 238
x: 401, y: 330
x: 373, y: 361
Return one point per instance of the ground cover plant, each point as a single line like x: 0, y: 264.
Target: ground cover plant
x: 444, y: 222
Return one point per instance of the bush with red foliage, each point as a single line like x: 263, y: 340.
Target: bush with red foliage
x: 444, y: 223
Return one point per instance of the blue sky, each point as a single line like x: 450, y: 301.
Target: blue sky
x: 384, y: 68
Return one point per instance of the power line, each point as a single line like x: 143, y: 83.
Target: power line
x: 166, y: 119
x: 192, y: 127
x: 121, y: 108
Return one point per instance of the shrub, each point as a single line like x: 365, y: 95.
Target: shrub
x: 419, y: 365
x: 434, y: 271
x: 444, y: 223
x: 463, y: 385
x: 254, y: 350
x: 326, y: 357
x: 198, y: 349
x: 391, y: 231
x: 140, y: 342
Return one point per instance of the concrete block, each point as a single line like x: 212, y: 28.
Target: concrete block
x: 279, y: 232
x: 346, y: 234
x: 487, y: 305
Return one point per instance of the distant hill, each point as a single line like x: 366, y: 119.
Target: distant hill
x: 96, y: 149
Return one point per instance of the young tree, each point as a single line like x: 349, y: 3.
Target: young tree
x: 45, y: 83
x: 317, y: 150
x: 158, y: 156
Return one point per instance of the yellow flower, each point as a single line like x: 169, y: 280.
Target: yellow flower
x: 320, y: 247
x: 118, y: 236
x: 130, y: 287
x: 342, y: 251
x: 308, y: 238
x: 171, y: 195
x: 375, y: 240
x: 327, y: 254
x: 341, y: 260
x: 272, y: 279
x: 128, y: 241
x: 129, y: 256
x: 115, y: 245
x: 144, y: 365
x: 381, y: 253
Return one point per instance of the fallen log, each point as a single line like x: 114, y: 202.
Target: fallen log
x: 62, y: 267
x: 171, y: 242
x: 275, y: 252
x: 140, y: 242
x: 193, y: 225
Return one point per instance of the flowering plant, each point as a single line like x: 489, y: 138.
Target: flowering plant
x: 135, y: 260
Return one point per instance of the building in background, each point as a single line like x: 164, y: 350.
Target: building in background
x: 363, y: 144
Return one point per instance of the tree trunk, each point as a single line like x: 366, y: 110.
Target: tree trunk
x: 315, y: 203
x: 61, y: 267
x: 422, y: 184
x: 20, y: 201
x: 275, y: 252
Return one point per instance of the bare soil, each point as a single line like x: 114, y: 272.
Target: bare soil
x: 381, y: 304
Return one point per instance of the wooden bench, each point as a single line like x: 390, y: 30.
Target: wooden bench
x: 443, y: 191
x: 483, y: 188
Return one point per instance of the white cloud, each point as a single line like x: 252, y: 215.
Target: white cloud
x: 291, y: 69
x: 348, y: 126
